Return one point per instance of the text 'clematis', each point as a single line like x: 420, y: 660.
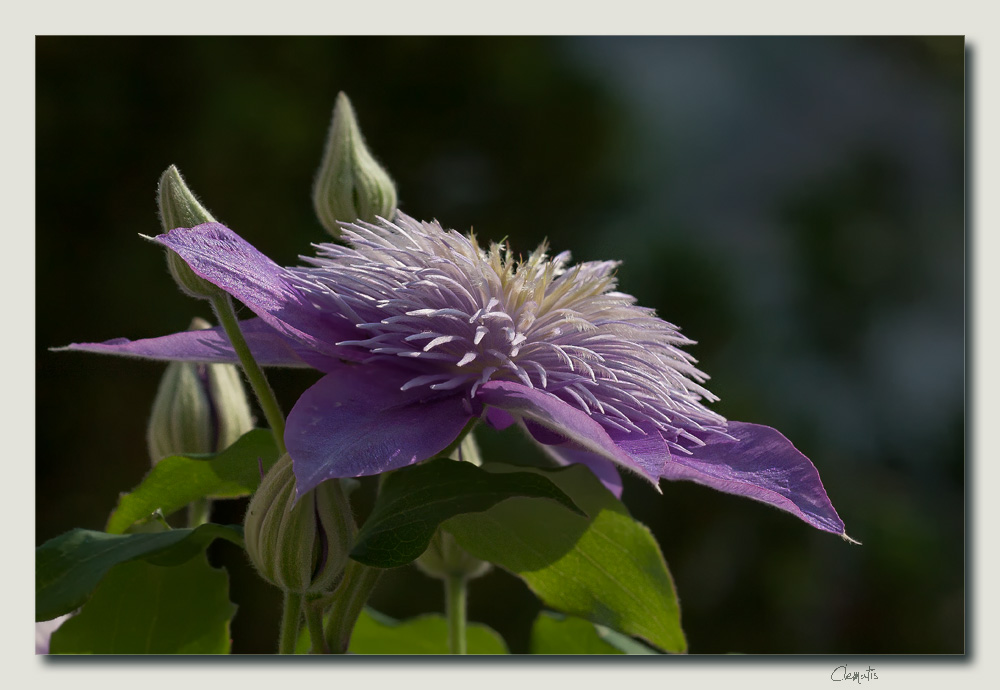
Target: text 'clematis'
x: 420, y: 330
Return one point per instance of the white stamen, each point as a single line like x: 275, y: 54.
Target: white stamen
x: 421, y: 380
x: 440, y: 340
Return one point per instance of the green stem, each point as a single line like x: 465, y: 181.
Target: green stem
x: 199, y: 511
x: 348, y: 601
x: 222, y: 305
x: 314, y: 619
x: 454, y: 594
x: 290, y: 618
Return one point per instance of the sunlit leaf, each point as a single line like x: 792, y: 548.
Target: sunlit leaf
x: 376, y: 633
x: 606, y: 568
x: 178, y: 480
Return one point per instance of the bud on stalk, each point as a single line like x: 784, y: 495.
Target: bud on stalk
x: 350, y: 184
x: 180, y: 208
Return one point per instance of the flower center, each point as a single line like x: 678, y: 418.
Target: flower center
x: 461, y: 315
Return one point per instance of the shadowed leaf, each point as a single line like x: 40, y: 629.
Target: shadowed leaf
x: 70, y: 566
x: 141, y: 608
x: 414, y: 501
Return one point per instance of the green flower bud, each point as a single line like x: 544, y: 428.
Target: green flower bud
x: 445, y: 558
x: 199, y: 408
x: 300, y: 547
x: 350, y: 185
x: 180, y: 208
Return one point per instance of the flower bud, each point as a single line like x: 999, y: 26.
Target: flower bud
x: 350, y: 185
x: 180, y: 208
x: 300, y: 547
x: 199, y: 408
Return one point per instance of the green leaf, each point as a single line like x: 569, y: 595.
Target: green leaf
x: 554, y: 633
x: 606, y: 568
x: 414, y: 501
x: 622, y: 643
x: 141, y: 608
x: 557, y: 634
x: 70, y: 566
x: 377, y: 633
x: 177, y: 480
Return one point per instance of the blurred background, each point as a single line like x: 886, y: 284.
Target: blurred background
x: 794, y: 204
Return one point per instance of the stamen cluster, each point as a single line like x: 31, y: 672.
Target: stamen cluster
x: 459, y: 315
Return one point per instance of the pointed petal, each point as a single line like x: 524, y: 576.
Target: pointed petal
x: 211, y: 345
x: 542, y: 409
x: 763, y: 465
x: 356, y: 422
x: 220, y: 256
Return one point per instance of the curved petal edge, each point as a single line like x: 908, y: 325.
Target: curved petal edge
x: 356, y: 422
x: 763, y: 465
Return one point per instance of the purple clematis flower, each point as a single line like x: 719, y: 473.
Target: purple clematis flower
x: 420, y: 330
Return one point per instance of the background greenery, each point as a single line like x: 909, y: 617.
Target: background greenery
x: 794, y: 204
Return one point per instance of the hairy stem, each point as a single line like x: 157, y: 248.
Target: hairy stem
x: 222, y: 305
x: 314, y: 619
x: 290, y: 618
x: 348, y: 600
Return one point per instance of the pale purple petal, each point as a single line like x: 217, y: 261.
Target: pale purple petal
x: 555, y: 416
x: 356, y: 422
x: 220, y: 256
x: 763, y: 465
x: 268, y: 346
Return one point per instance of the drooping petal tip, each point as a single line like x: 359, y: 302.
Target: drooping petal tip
x: 760, y: 463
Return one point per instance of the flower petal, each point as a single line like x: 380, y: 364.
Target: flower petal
x: 557, y: 447
x: 549, y: 412
x: 498, y: 419
x: 356, y: 422
x: 763, y: 465
x: 268, y: 346
x: 220, y: 256
x: 604, y: 470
